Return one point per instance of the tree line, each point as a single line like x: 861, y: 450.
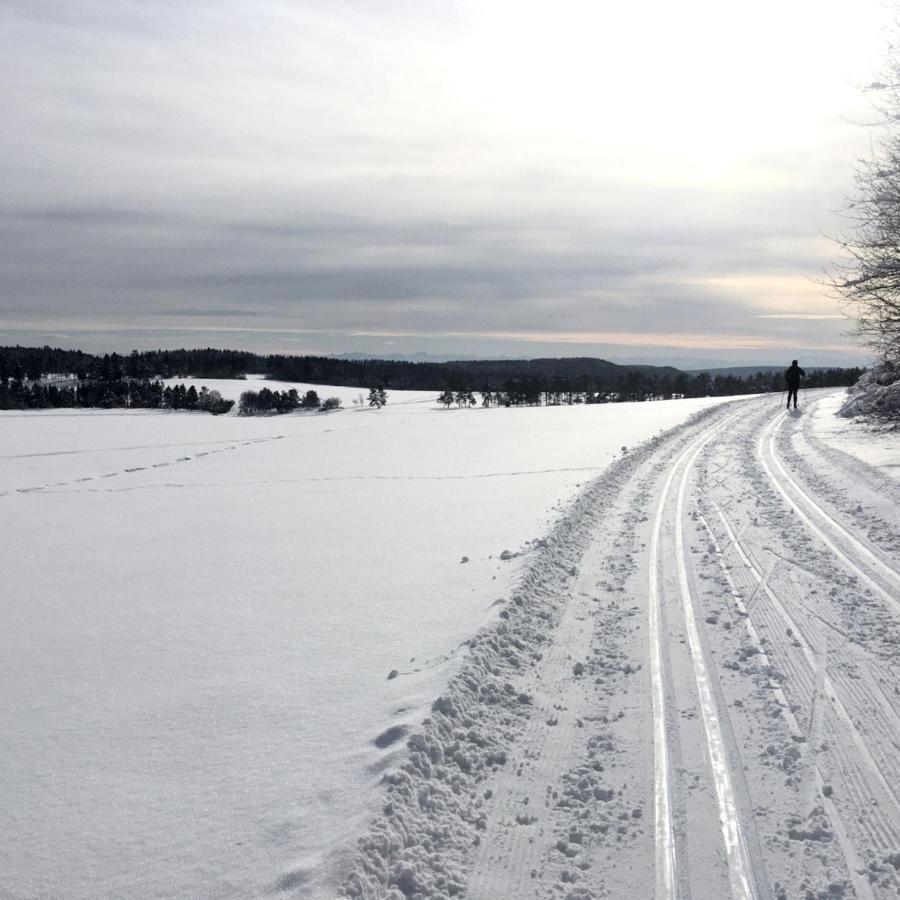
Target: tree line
x: 266, y: 402
x: 114, y: 393
x: 113, y: 380
x: 636, y: 386
x: 33, y: 363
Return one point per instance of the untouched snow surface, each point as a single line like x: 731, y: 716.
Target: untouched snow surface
x: 200, y: 615
x: 864, y: 440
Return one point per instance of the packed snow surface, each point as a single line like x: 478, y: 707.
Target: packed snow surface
x: 200, y: 616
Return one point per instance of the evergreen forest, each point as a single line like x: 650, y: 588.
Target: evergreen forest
x: 43, y: 377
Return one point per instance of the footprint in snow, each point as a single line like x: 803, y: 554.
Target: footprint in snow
x: 390, y: 736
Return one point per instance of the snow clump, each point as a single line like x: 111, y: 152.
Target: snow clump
x: 876, y: 394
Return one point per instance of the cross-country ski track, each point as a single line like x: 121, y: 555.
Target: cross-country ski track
x: 693, y: 692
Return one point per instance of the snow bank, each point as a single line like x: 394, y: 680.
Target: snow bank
x: 876, y: 394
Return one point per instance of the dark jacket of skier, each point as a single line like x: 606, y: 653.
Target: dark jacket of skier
x: 793, y: 375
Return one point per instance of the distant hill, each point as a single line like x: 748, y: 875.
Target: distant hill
x: 474, y: 374
x: 414, y: 357
x: 744, y: 371
x: 397, y: 374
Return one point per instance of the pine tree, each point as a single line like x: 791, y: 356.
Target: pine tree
x: 377, y: 397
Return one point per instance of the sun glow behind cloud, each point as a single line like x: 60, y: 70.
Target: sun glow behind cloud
x: 682, y: 92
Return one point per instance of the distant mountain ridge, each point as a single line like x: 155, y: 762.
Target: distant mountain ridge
x: 743, y: 371
x: 415, y: 357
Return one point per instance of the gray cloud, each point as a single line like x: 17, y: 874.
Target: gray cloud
x: 311, y: 168
x: 82, y: 216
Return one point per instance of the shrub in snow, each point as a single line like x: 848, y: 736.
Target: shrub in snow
x: 213, y: 402
x: 377, y: 397
x: 330, y: 403
x: 253, y: 403
x: 876, y: 394
x: 310, y: 400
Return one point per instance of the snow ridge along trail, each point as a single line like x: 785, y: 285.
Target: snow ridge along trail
x: 693, y: 693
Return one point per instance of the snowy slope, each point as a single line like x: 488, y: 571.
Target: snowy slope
x: 199, y: 616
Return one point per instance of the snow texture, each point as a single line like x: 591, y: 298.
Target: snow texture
x: 201, y: 617
x: 875, y: 395
x: 242, y: 657
x: 434, y: 811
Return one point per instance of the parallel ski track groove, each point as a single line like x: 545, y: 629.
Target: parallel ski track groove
x: 666, y: 860
x: 871, y: 819
x: 742, y: 886
x: 809, y: 653
x: 805, y: 500
x: 854, y: 862
x: 664, y: 832
x: 882, y: 491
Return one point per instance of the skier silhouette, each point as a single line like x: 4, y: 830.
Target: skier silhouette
x: 792, y: 376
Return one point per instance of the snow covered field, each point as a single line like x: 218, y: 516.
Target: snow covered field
x: 200, y: 614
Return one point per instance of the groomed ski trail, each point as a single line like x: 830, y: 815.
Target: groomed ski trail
x: 691, y: 694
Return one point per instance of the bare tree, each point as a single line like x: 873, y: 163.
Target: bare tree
x: 868, y: 277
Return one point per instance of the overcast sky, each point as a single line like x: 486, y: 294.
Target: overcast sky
x: 648, y: 180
